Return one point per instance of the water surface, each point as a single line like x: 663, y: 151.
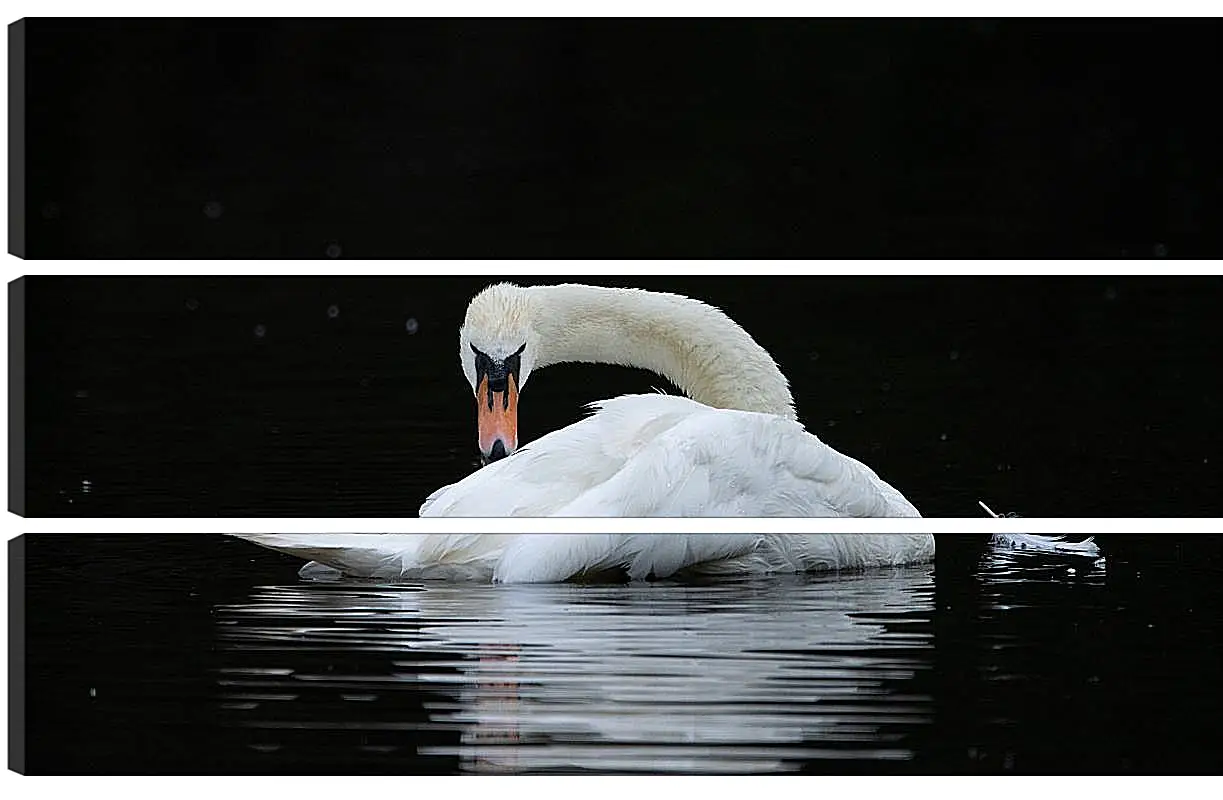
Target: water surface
x: 204, y: 654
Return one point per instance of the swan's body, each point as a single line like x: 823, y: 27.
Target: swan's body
x: 733, y: 447
x: 548, y: 558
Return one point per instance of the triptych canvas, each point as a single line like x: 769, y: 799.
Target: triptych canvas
x: 543, y: 396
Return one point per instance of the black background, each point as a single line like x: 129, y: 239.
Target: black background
x: 133, y: 617
x: 624, y: 138
x: 1090, y: 396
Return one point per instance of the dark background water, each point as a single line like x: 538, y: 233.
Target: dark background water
x: 313, y: 397
x: 196, y: 653
x: 620, y: 139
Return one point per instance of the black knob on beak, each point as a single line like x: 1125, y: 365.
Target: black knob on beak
x: 498, y: 451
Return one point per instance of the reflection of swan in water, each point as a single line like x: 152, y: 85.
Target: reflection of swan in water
x: 734, y: 677
x: 544, y: 558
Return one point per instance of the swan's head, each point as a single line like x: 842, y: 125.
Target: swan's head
x: 498, y: 348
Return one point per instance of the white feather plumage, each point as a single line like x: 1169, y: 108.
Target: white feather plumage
x: 734, y: 449
x: 666, y: 456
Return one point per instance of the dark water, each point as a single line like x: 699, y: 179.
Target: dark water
x: 592, y: 139
x: 195, y: 653
x: 343, y: 397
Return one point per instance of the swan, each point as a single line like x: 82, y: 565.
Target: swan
x: 732, y: 447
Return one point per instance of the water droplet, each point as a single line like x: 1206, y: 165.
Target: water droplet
x: 1110, y: 293
x: 50, y: 210
x: 260, y: 331
x: 887, y: 387
x: 942, y: 437
x: 411, y: 326
x: 832, y: 423
x: 192, y: 304
x: 213, y: 209
x: 333, y: 311
x: 1160, y: 250
x: 815, y: 356
x: 93, y: 692
x: 334, y: 250
x: 954, y: 355
x: 81, y: 394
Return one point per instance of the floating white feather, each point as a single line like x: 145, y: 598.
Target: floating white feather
x: 1042, y: 544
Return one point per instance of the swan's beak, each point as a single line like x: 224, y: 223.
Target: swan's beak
x: 497, y: 418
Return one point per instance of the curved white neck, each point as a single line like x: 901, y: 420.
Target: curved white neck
x: 694, y: 345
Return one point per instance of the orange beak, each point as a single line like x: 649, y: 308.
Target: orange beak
x: 497, y: 419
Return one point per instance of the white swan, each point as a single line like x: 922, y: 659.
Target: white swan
x: 733, y: 447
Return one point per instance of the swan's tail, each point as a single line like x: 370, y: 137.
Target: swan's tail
x: 390, y: 556
x: 354, y: 553
x: 1042, y: 544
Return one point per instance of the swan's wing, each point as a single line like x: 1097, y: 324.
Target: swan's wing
x: 660, y: 455
x: 718, y: 462
x: 432, y: 498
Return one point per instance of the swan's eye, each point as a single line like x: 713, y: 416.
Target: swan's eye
x: 484, y: 364
x: 497, y: 372
x: 513, y: 363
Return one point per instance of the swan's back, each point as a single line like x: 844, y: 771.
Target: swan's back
x: 662, y: 455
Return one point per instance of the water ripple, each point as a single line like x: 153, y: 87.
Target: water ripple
x: 754, y: 676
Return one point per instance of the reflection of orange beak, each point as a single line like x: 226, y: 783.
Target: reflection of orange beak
x: 497, y: 419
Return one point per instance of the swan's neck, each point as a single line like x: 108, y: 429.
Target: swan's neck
x: 694, y: 345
